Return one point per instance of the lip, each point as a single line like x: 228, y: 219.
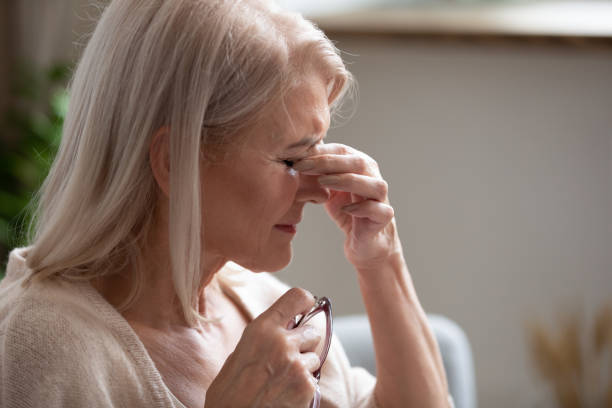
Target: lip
x: 289, y: 228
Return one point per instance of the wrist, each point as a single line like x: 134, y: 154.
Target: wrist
x: 376, y: 269
x: 390, y: 278
x: 391, y: 256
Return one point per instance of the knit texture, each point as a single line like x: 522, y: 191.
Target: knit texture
x: 63, y: 345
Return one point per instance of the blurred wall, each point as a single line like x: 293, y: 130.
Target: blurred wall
x: 6, y: 51
x: 499, y: 160
x: 53, y: 30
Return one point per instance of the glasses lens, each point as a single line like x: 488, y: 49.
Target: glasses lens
x: 319, y: 322
x: 320, y: 318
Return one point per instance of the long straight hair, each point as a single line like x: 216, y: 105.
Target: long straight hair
x: 204, y: 69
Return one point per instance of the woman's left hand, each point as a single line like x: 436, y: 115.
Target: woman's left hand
x: 358, y: 202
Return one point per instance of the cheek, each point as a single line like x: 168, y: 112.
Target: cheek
x: 282, y: 190
x: 291, y: 184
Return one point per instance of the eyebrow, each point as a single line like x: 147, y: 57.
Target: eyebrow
x: 306, y: 141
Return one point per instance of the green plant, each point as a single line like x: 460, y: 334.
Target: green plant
x: 30, y: 131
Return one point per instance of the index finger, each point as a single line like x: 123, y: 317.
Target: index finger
x: 294, y: 302
x: 332, y: 148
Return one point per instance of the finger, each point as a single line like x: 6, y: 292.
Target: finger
x: 365, y: 186
x: 335, y: 163
x: 310, y: 361
x: 298, y: 382
x: 376, y: 211
x: 334, y: 148
x: 307, y: 338
x: 295, y: 301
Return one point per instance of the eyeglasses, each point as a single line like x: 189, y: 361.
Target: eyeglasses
x: 321, y: 310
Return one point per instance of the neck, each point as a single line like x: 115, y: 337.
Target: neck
x: 157, y: 304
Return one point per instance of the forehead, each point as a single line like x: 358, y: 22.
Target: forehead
x: 303, y: 112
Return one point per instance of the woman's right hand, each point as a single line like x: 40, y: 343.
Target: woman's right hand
x: 271, y: 366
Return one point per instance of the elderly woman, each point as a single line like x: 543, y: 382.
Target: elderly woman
x: 193, y: 141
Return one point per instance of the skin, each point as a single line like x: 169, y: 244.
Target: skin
x: 259, y: 186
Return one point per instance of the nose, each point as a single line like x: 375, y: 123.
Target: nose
x: 310, y: 191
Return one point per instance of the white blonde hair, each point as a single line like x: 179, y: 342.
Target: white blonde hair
x: 202, y: 68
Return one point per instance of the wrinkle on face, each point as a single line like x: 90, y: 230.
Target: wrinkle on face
x: 305, y: 115
x: 254, y: 190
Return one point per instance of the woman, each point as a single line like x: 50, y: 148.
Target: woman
x: 193, y: 140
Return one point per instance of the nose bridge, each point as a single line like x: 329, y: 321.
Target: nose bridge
x: 310, y: 190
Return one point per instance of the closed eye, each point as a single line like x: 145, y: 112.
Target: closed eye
x: 289, y: 163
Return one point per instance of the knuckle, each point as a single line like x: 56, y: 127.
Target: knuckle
x: 342, y: 149
x: 290, y: 345
x: 349, y: 179
x: 390, y: 212
x: 313, y: 361
x: 306, y: 384
x: 278, y: 314
x: 326, y: 161
x: 282, y: 346
x: 263, y: 331
x: 370, y: 161
x: 297, y: 367
x: 296, y: 370
x: 301, y: 294
x: 257, y: 327
x: 362, y: 164
x: 383, y: 188
x: 373, y: 163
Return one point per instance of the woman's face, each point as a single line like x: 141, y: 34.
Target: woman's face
x: 253, y: 199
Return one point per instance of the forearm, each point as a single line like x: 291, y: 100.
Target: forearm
x: 410, y: 372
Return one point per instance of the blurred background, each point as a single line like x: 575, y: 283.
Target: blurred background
x: 492, y: 123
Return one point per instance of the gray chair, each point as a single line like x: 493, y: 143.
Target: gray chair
x: 356, y: 337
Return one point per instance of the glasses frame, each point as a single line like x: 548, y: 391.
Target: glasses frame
x: 322, y: 305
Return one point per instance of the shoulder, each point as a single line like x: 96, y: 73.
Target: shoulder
x: 51, y: 310
x: 46, y: 312
x: 62, y: 345
x: 254, y: 291
x: 29, y: 305
x: 56, y: 349
x: 53, y: 320
x: 36, y: 334
x: 45, y: 350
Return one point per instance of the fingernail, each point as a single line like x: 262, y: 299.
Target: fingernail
x: 304, y: 165
x: 329, y: 180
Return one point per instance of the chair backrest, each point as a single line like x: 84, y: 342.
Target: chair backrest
x: 356, y: 336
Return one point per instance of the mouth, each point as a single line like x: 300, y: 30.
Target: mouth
x: 291, y: 226
x: 288, y: 228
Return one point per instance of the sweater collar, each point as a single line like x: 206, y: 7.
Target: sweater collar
x: 238, y: 283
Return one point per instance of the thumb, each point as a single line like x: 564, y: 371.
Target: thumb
x: 294, y: 302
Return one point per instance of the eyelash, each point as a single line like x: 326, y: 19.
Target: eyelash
x: 288, y: 163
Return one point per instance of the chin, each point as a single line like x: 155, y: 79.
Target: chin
x: 271, y: 263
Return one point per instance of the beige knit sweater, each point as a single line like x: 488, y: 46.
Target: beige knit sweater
x: 63, y: 345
